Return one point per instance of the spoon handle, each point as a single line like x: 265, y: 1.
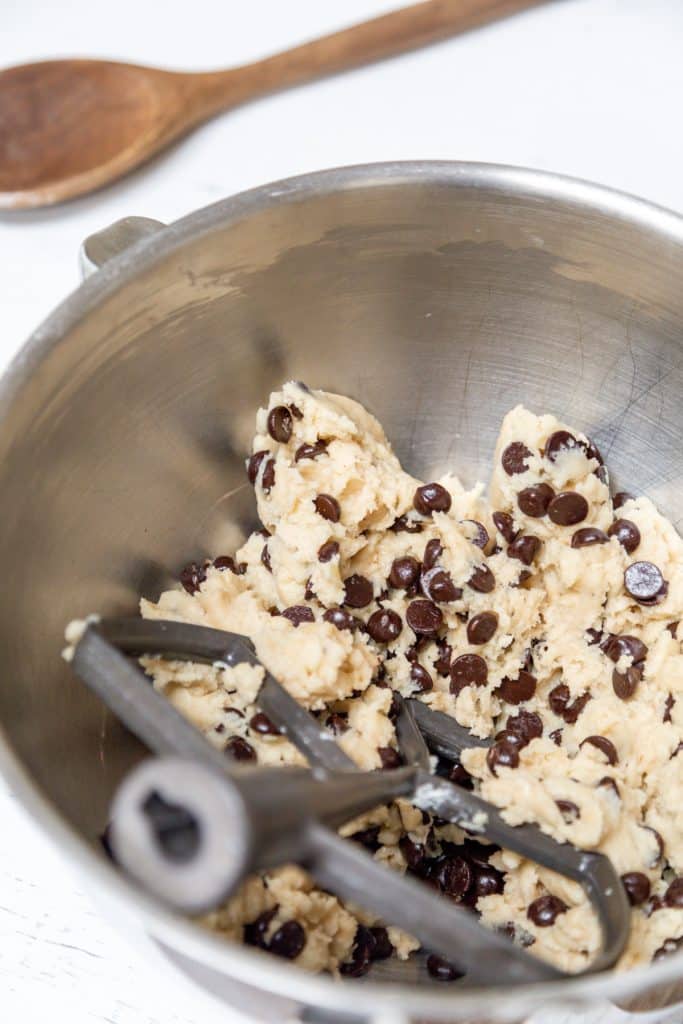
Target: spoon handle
x: 385, y: 36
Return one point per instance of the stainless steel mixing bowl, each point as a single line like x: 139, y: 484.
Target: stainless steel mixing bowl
x: 439, y: 295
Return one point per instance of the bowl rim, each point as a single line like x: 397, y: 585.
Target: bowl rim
x: 252, y: 966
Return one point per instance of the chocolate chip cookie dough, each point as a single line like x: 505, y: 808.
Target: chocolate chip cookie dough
x: 544, y: 615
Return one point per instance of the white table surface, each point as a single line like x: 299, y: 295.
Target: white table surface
x: 586, y: 87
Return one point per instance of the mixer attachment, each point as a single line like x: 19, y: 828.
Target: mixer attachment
x: 192, y: 823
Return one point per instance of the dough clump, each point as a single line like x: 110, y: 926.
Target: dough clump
x: 544, y: 615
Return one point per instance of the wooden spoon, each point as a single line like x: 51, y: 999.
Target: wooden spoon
x: 70, y: 126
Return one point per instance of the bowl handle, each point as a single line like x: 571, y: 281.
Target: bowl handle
x: 97, y: 249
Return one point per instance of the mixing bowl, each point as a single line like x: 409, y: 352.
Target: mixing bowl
x: 439, y: 295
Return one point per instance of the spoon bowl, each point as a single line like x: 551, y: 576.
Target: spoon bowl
x: 70, y: 126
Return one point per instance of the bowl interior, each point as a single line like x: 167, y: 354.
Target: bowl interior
x: 439, y: 300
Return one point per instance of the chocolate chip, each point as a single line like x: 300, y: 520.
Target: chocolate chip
x: 556, y: 737
x: 404, y: 572
x: 524, y: 548
x: 337, y: 722
x: 488, y: 881
x: 404, y: 525
x: 660, y: 844
x: 568, y: 508
x: 362, y: 955
x: 534, y: 500
x: 340, y: 618
x: 455, y: 876
x: 280, y: 424
x: 389, y: 757
x: 268, y: 476
x: 431, y: 498
x: 604, y: 745
x: 225, y: 562
x: 478, y: 853
x: 192, y: 577
x: 413, y: 853
x: 358, y: 591
x: 265, y: 558
x: 424, y: 617
x: 505, y: 736
x: 441, y: 970
x: 262, y: 724
x: 514, y: 458
x: 621, y: 498
x: 298, y: 613
x: 569, y: 811
x: 637, y: 886
x: 482, y: 580
x: 673, y: 628
x: 310, y: 451
x: 626, y: 683
x: 645, y: 583
x: 383, y: 945
x: 627, y: 533
x: 442, y: 664
x: 413, y: 652
x: 527, y: 725
x: 617, y: 646
x: 432, y: 553
x: 240, y: 750
x: 480, y: 535
x: 255, y: 932
x: 609, y: 785
x: 545, y: 910
x: 468, y: 670
x: 384, y: 625
x: 516, y: 691
x: 328, y: 551
x: 481, y: 627
x: 254, y: 464
x: 572, y: 711
x: 233, y: 711
x: 288, y: 940
x: 654, y: 903
x: 673, y: 897
x: 588, y: 536
x: 559, y: 697
x: 459, y: 776
x: 505, y: 525
x: 327, y: 507
x: 559, y: 442
x: 421, y: 678
x: 437, y: 585
x: 668, y: 947
x: 668, y: 707
x: 502, y: 755
x: 368, y: 837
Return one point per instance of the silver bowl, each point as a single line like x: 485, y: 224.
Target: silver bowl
x: 437, y: 294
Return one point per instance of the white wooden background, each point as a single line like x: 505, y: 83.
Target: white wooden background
x: 587, y: 87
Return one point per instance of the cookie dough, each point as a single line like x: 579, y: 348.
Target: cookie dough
x: 545, y: 615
